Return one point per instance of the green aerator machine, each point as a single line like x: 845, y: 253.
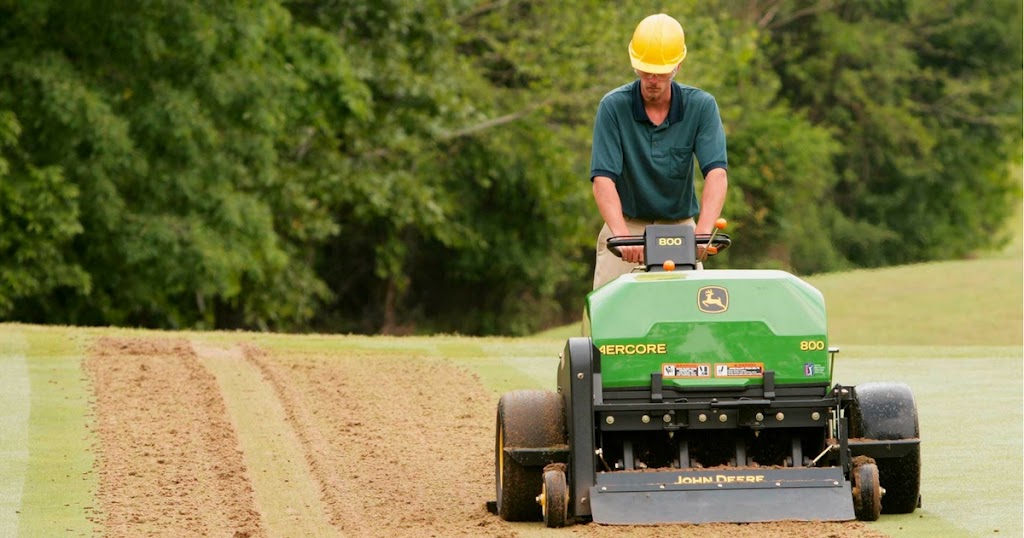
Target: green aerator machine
x: 699, y: 396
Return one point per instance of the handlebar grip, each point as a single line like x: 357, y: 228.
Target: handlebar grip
x: 624, y: 241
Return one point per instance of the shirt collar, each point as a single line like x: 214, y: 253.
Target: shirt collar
x: 675, y: 111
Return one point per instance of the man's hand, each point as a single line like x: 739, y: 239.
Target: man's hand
x: 632, y: 254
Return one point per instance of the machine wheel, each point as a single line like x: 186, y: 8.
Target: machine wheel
x: 867, y: 492
x: 526, y: 419
x: 888, y: 411
x: 554, y: 498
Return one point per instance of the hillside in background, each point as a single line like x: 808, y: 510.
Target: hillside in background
x: 975, y: 302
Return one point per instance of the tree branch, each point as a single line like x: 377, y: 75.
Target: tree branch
x: 481, y: 10
x: 494, y: 122
x: 823, y: 5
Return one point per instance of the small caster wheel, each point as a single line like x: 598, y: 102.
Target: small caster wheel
x: 554, y: 499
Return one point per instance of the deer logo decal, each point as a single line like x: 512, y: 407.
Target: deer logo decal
x: 713, y: 299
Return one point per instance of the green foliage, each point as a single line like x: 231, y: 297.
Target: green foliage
x: 38, y: 220
x: 400, y: 166
x: 458, y: 200
x: 925, y: 100
x: 779, y: 194
x: 180, y: 125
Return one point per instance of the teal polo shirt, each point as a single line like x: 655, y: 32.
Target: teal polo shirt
x: 652, y: 165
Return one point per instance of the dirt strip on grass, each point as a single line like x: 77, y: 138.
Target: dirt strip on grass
x: 286, y: 493
x: 168, y: 458
x: 401, y: 447
x: 393, y: 446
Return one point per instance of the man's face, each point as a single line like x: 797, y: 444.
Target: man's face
x: 655, y: 87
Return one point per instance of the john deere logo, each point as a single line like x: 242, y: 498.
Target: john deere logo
x: 713, y: 299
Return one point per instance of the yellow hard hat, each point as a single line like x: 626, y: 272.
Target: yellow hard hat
x: 658, y: 44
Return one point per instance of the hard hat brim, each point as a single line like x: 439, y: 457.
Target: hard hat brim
x: 655, y: 69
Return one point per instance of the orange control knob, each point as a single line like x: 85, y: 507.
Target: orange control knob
x: 721, y: 223
x: 712, y: 249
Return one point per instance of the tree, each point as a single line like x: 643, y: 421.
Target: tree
x: 400, y: 166
x: 38, y: 219
x: 459, y: 201
x: 924, y: 99
x: 186, y: 129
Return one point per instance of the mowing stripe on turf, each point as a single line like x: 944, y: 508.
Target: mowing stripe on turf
x: 58, y: 495
x: 14, y: 412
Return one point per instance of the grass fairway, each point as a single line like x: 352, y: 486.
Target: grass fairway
x: 975, y: 302
x: 971, y: 460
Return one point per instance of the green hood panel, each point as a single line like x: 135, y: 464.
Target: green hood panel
x: 709, y: 328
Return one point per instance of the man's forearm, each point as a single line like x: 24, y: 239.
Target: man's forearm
x: 609, y: 205
x: 712, y: 199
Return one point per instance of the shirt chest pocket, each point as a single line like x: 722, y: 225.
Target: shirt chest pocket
x: 681, y: 162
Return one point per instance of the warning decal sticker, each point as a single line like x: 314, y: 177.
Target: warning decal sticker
x: 685, y: 370
x: 739, y: 369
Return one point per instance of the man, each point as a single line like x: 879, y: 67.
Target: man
x: 645, y: 137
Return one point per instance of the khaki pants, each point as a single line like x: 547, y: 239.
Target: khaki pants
x: 609, y: 266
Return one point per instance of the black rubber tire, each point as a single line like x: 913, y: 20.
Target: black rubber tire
x: 867, y: 493
x: 887, y: 411
x: 526, y: 419
x: 556, y: 499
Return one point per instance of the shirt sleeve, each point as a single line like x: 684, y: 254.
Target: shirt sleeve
x: 606, y: 153
x: 710, y: 144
